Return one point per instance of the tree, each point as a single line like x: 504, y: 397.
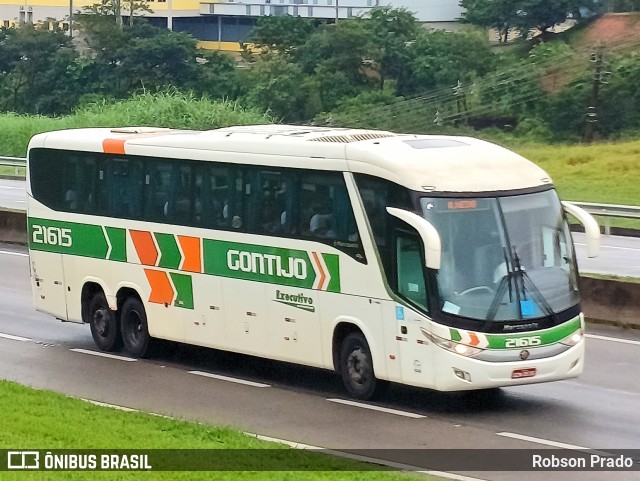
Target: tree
x: 282, y: 33
x: 113, y: 9
x: 498, y: 14
x: 218, y: 76
x: 440, y: 59
x: 341, y: 47
x: 276, y: 88
x: 140, y: 58
x: 521, y: 14
x: 38, y: 71
x: 392, y: 31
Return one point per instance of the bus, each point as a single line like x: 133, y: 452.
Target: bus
x: 433, y: 261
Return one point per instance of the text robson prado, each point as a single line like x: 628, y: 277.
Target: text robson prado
x: 594, y: 461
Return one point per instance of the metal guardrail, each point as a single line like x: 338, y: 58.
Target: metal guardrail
x: 16, y: 162
x: 603, y: 210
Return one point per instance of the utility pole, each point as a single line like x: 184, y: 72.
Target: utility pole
x: 337, y: 10
x: 597, y: 57
x: 70, y: 18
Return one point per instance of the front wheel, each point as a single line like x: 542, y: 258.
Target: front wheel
x: 133, y: 325
x: 356, y: 368
x: 104, y: 326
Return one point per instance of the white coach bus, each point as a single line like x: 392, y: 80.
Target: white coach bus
x: 439, y: 262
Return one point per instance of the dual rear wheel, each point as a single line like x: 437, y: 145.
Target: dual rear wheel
x: 130, y: 328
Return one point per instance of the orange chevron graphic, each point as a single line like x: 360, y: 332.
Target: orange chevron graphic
x: 113, y: 146
x: 145, y: 247
x: 161, y: 290
x: 323, y: 274
x: 474, y: 339
x: 192, y: 254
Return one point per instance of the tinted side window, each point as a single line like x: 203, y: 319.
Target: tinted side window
x: 120, y: 187
x: 64, y: 180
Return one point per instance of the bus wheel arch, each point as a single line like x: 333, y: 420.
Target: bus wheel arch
x: 102, y: 320
x: 354, y: 362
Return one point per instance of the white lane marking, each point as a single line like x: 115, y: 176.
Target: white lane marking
x: 230, y: 379
x: 14, y: 338
x: 546, y: 442
x: 9, y: 253
x: 377, y: 408
x: 365, y: 459
x: 112, y: 406
x: 613, y: 339
x: 103, y: 354
x: 612, y: 247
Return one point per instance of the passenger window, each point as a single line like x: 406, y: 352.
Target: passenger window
x: 272, y: 201
x: 158, y: 184
x: 121, y: 188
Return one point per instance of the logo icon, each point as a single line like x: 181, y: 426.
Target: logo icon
x: 524, y: 355
x: 23, y: 460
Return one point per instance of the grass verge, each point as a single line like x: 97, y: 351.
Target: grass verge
x: 33, y: 419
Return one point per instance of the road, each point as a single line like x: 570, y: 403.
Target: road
x: 599, y: 410
x: 13, y: 194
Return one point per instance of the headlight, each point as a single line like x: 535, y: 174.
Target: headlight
x: 573, y: 339
x: 449, y: 345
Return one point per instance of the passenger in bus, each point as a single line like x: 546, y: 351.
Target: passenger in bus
x: 322, y: 222
x: 271, y: 218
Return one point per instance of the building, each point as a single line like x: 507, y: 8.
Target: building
x: 223, y: 24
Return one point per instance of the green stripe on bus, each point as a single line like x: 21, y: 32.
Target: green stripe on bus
x: 455, y: 335
x: 118, y: 239
x: 170, y: 256
x: 67, y: 238
x: 274, y: 265
x: 184, y: 290
x: 332, y: 262
x: 547, y: 336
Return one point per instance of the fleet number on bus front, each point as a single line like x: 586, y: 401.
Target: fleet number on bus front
x: 51, y: 235
x: 523, y: 342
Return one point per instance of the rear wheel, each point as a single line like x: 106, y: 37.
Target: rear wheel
x: 103, y: 323
x: 133, y: 325
x: 356, y: 368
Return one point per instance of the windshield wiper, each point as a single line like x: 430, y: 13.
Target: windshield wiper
x: 522, y: 281
x: 536, y: 296
x: 504, y: 283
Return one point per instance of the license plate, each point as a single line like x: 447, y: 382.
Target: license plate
x: 526, y: 372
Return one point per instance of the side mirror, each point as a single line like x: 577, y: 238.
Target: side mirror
x: 591, y: 227
x: 428, y: 233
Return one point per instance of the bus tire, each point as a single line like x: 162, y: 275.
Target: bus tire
x: 133, y: 326
x: 103, y: 323
x: 356, y: 368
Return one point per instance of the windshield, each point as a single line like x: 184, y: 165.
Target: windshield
x: 504, y: 258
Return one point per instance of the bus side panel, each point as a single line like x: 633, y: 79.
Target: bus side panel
x: 206, y: 326
x: 246, y: 317
x: 293, y: 315
x: 47, y: 283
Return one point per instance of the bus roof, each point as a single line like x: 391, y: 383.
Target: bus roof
x: 432, y: 163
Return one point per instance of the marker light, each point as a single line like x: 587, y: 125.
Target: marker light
x: 462, y: 349
x: 573, y: 339
x: 464, y: 375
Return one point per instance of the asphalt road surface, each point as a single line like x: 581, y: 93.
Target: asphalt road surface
x: 597, y: 411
